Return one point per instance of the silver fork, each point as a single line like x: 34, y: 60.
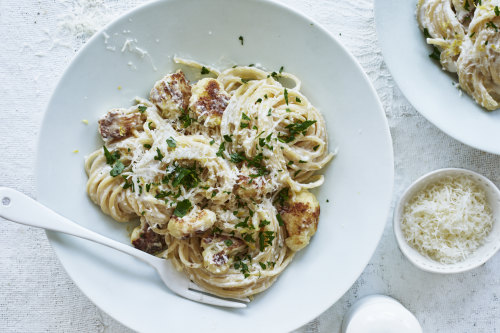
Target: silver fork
x: 18, y: 207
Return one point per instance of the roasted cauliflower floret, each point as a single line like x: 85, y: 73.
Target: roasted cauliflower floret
x: 171, y: 94
x: 209, y: 100
x: 196, y: 222
x: 300, y: 214
x: 118, y: 124
x: 145, y: 239
x: 219, y: 251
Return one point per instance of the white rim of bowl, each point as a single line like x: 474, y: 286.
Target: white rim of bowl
x: 415, y: 257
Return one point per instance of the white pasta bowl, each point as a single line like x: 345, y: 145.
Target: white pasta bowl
x: 481, y: 254
x: 113, y: 68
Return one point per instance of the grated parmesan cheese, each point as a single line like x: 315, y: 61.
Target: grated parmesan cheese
x: 447, y: 220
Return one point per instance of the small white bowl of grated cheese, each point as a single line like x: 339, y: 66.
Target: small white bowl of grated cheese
x: 447, y: 221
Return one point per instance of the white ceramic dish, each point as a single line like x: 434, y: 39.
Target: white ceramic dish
x: 358, y: 182
x: 379, y: 314
x: 425, y: 84
x: 481, y: 255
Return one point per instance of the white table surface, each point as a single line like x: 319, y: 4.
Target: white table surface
x: 36, y: 295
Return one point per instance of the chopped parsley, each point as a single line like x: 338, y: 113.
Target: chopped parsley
x: 281, y: 69
x: 149, y: 125
x: 243, y: 125
x: 185, y: 118
x: 159, y: 155
x: 466, y: 5
x: 228, y: 242
x: 262, y: 265
x: 492, y: 25
x: 111, y: 158
x: 242, y: 267
x: 147, y: 145
x: 220, y: 152
x: 186, y: 177
x: 212, y: 142
x: 244, y: 116
x: 117, y: 169
x: 258, y: 100
x: 241, y: 40
x: 204, y: 70
x: 228, y: 138
x: 237, y: 157
x: 265, y: 239
x: 280, y: 220
x: 263, y: 223
x: 142, y: 108
x: 245, y: 80
x: 298, y: 100
x: 171, y: 142
x: 182, y: 208
x: 315, y: 147
x: 286, y: 96
x: 472, y: 34
x: 497, y: 11
x: 436, y: 54
x: 426, y: 33
x: 269, y: 112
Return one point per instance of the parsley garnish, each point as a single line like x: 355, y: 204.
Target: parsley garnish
x: 111, y: 158
x: 466, y: 5
x: 258, y: 100
x: 245, y: 80
x: 159, y: 155
x: 244, y: 116
x: 280, y: 220
x: 171, y: 142
x: 185, y: 118
x: 220, y: 152
x: 212, y: 142
x: 117, y: 169
x: 286, y: 96
x: 426, y: 33
x: 241, y: 40
x: 186, y: 177
x: 269, y: 112
x: 142, y: 108
x: 149, y: 125
x: 265, y: 239
x: 262, y: 265
x: 263, y: 223
x: 298, y: 100
x: 228, y: 242
x: 147, y: 145
x: 243, y: 125
x: 182, y: 208
x: 281, y: 69
x: 237, y: 157
x: 204, y: 70
x: 492, y: 25
x: 472, y: 34
x: 228, y: 138
x: 436, y: 54
x: 497, y: 11
x: 315, y: 147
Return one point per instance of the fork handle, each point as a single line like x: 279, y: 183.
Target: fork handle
x: 18, y: 207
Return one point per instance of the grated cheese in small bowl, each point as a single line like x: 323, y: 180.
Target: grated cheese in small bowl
x: 446, y: 221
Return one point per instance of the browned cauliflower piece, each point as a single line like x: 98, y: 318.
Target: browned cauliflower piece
x: 208, y: 101
x: 145, y: 239
x: 219, y: 251
x: 117, y: 124
x: 171, y: 94
x: 195, y: 222
x: 300, y: 214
